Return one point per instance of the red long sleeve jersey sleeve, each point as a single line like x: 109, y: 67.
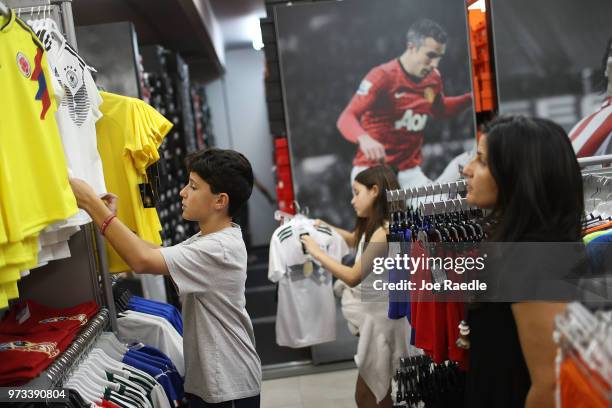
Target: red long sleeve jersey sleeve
x: 394, y: 110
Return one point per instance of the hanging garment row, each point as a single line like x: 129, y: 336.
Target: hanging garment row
x: 597, y: 236
x: 56, y: 124
x: 442, y: 228
x: 32, y: 336
x: 145, y: 369
x: 597, y: 201
x: 420, y: 382
x: 584, y: 360
x: 154, y: 323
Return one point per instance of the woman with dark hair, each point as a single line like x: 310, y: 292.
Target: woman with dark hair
x: 527, y: 174
x: 382, y: 341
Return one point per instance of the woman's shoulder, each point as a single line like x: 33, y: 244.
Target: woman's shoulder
x: 380, y: 234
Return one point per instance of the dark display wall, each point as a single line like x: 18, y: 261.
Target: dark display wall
x: 549, y: 56
x: 167, y: 80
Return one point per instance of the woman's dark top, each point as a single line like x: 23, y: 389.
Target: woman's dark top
x: 497, y: 376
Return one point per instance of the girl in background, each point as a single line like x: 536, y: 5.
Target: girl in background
x: 382, y: 341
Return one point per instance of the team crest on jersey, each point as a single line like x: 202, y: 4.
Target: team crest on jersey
x: 47, y: 347
x: 71, y: 77
x: 24, y: 65
x: 81, y: 317
x: 429, y: 94
x: 364, y: 87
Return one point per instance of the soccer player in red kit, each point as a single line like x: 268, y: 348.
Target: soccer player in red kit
x: 388, y: 115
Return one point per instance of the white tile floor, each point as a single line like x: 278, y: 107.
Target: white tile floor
x: 327, y: 390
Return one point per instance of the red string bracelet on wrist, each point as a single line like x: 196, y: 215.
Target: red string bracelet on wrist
x: 107, y: 222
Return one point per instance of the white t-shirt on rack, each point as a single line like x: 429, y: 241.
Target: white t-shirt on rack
x: 306, y: 312
x: 155, y: 331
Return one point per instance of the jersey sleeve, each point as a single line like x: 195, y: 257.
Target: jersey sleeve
x: 149, y: 128
x: 338, y: 248
x: 276, y: 265
x: 369, y: 90
x: 94, y: 95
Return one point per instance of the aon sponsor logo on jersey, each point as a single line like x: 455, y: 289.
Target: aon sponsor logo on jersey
x: 413, y: 122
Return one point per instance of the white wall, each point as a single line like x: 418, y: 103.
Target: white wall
x: 240, y: 122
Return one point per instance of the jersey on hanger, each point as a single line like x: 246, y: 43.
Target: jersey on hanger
x: 34, y: 188
x: 306, y: 307
x: 129, y: 134
x: 78, y: 111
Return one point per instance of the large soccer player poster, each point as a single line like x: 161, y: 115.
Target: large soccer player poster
x: 368, y: 82
x: 551, y: 58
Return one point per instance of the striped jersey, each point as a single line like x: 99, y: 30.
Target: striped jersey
x: 591, y: 136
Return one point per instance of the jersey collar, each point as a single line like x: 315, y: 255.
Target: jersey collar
x: 7, y: 23
x: 411, y: 77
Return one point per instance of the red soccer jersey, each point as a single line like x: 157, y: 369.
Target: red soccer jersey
x: 108, y: 404
x: 394, y: 109
x: 40, y: 318
x: 25, y: 356
x: 591, y: 136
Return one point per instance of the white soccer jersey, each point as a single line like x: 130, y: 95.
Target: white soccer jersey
x: 78, y: 111
x: 155, y: 331
x: 306, y: 313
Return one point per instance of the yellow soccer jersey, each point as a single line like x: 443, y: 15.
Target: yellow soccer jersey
x: 34, y: 188
x: 129, y: 134
x: 18, y: 253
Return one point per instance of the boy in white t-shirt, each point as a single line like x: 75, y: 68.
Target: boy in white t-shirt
x: 209, y: 269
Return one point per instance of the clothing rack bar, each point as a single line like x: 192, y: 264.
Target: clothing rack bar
x: 451, y: 189
x: 65, y: 364
x: 604, y: 172
x: 65, y: 10
x: 105, y: 278
x: 68, y: 22
x: 592, y: 161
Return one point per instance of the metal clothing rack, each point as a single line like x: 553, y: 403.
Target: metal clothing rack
x: 451, y: 189
x: 584, y: 334
x: 69, y: 360
x: 61, y: 11
x: 595, y: 160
